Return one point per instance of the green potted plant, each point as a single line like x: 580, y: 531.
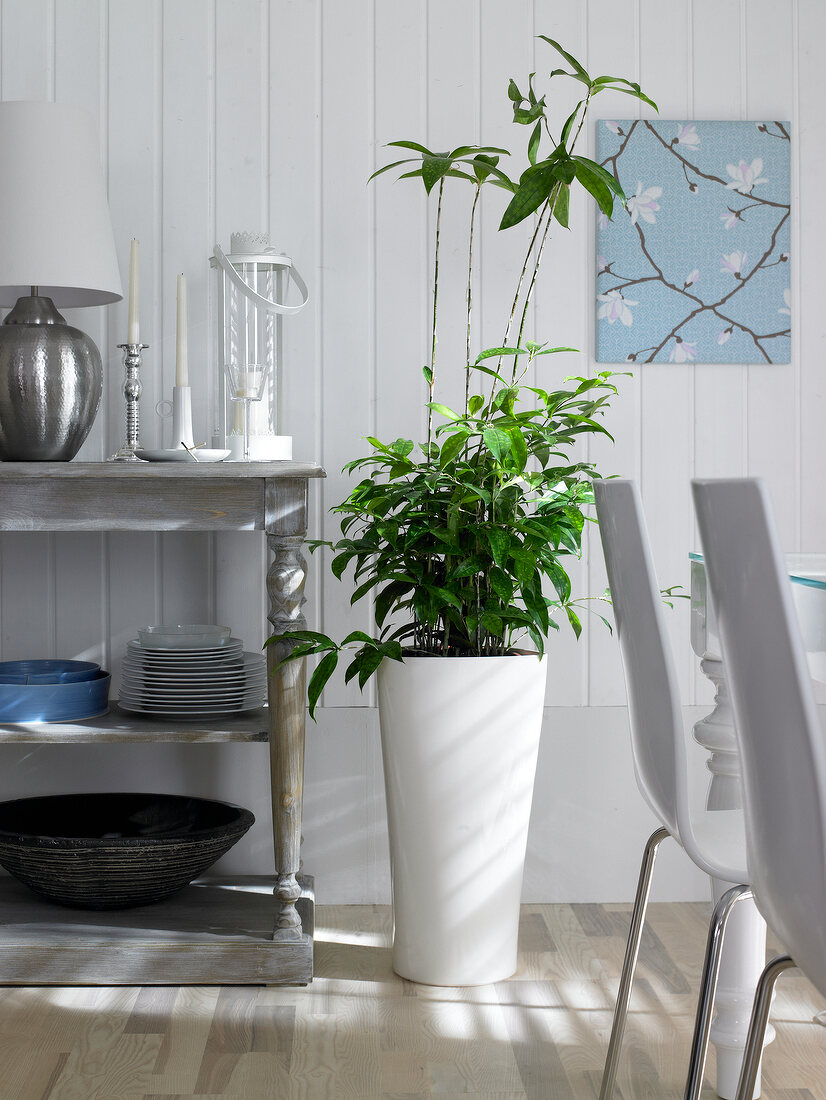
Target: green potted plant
x: 462, y: 542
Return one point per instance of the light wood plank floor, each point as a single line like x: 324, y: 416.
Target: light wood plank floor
x: 360, y: 1032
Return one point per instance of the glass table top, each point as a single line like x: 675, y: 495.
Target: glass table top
x: 808, y: 570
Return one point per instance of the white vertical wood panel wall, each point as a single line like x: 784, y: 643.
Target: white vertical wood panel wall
x: 217, y: 115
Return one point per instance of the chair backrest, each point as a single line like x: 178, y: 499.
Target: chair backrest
x: 782, y: 746
x: 655, y: 717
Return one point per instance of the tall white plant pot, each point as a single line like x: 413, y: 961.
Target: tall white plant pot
x: 460, y: 737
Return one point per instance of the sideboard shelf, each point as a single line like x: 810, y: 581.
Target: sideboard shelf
x: 209, y: 932
x: 217, y: 931
x: 118, y: 727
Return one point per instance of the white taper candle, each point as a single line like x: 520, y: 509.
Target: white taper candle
x: 181, y: 369
x: 133, y: 326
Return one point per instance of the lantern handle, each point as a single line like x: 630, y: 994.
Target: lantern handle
x: 254, y: 296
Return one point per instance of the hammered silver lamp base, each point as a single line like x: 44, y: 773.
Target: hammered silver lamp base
x: 51, y: 380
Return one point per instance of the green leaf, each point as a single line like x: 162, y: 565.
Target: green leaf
x: 484, y: 167
x: 339, y: 564
x: 428, y: 375
x: 525, y: 116
x: 475, y: 404
x: 499, y: 542
x: 591, y: 182
x: 565, y: 170
x: 487, y: 370
x: 358, y: 636
x: 603, y: 174
x: 411, y: 145
x: 569, y: 123
x: 553, y: 351
x: 433, y: 169
x: 519, y: 448
x: 444, y: 410
x: 470, y: 567
x: 492, y: 353
x: 572, y: 61
x: 302, y: 636
x: 387, y: 168
x: 533, y: 142
x: 562, y: 205
x: 604, y: 83
x: 451, y: 448
x: 501, y: 584
x: 402, y: 447
x: 363, y: 589
x: 534, y: 187
x: 492, y: 623
x: 513, y: 92
x: 573, y: 619
x: 370, y: 661
x: 497, y: 442
x: 524, y: 564
x: 322, y: 673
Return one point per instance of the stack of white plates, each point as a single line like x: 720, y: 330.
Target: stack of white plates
x: 198, y: 682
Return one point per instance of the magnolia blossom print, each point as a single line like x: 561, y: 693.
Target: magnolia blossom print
x: 696, y: 267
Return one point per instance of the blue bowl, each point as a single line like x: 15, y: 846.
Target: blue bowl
x: 47, y: 672
x: 70, y: 702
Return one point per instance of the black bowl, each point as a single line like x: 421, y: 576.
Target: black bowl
x: 115, y: 851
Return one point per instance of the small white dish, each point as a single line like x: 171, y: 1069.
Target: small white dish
x: 169, y: 454
x: 184, y: 636
x: 180, y: 454
x: 210, y: 454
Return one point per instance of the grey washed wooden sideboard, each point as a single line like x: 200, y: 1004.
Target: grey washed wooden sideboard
x: 214, y: 932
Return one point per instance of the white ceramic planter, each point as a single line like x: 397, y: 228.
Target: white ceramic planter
x: 460, y: 737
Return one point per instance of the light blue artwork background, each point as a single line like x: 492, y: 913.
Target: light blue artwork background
x: 682, y: 224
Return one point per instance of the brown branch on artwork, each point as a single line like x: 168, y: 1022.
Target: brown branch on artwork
x: 705, y: 175
x: 782, y: 136
x: 629, y: 282
x: 613, y: 159
x: 750, y: 332
x: 743, y: 279
x: 713, y: 307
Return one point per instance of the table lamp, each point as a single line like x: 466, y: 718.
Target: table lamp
x: 56, y: 250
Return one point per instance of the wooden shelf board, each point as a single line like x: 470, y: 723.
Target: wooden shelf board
x: 124, y: 471
x: 119, y: 727
x: 215, y: 932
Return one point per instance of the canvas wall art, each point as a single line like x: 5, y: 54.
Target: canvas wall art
x: 696, y: 267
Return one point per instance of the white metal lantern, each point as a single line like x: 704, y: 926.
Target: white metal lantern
x: 253, y: 281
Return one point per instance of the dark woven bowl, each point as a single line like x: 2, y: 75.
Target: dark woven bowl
x: 114, y: 851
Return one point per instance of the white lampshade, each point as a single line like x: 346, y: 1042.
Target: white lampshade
x: 55, y: 228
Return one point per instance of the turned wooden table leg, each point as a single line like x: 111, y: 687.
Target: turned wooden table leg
x: 287, y: 698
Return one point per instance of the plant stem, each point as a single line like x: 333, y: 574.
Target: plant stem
x: 470, y: 295
x: 550, y: 204
x: 521, y: 280
x: 435, y: 301
x: 555, y: 195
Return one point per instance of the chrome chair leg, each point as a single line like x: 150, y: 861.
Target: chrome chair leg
x: 708, y: 987
x: 757, y: 1025
x: 632, y: 950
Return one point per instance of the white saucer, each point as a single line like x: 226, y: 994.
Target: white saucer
x: 180, y: 454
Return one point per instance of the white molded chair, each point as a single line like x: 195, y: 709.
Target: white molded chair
x: 714, y: 840
x: 782, y: 746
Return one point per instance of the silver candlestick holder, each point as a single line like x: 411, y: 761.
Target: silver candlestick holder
x: 132, y: 388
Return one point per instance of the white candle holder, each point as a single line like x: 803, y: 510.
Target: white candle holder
x: 182, y: 417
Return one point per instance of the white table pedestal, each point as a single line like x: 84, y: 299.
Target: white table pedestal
x: 744, y: 947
